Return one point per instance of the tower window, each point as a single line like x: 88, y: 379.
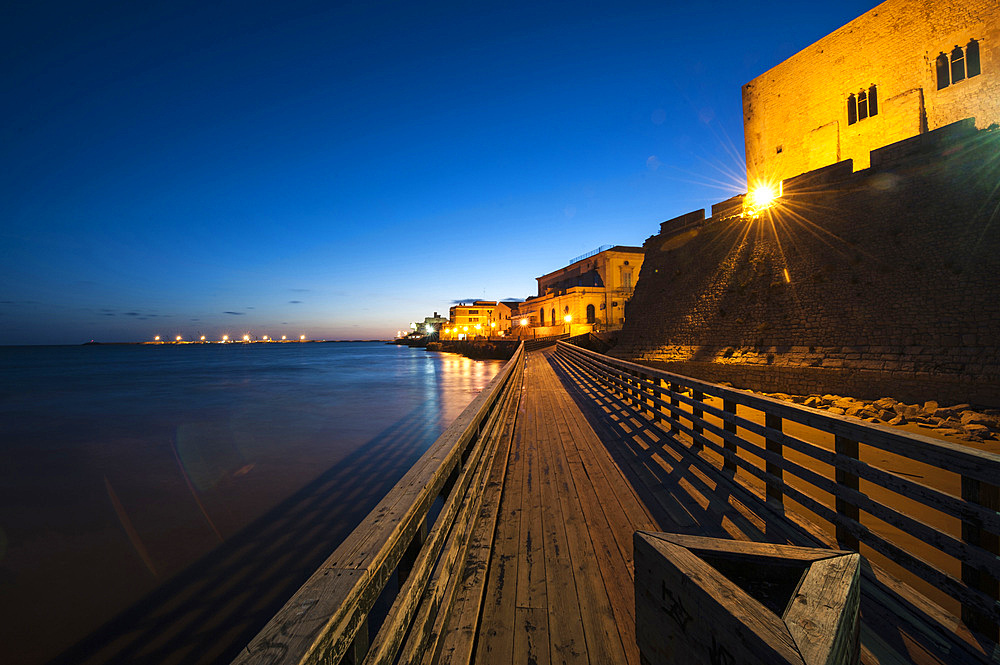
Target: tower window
x: 862, y: 106
x: 943, y: 77
x: 958, y: 65
x: 972, y: 58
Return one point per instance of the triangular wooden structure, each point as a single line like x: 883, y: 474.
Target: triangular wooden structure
x: 711, y: 601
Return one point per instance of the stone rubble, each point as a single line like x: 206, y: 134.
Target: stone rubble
x: 956, y: 420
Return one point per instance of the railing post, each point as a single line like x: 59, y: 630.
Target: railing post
x: 673, y: 402
x: 655, y: 393
x: 729, y: 406
x: 988, y: 496
x: 696, y: 416
x: 412, y: 552
x: 848, y: 448
x: 359, y: 647
x: 643, y: 390
x: 773, y: 492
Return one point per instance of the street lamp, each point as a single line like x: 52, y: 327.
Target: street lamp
x: 568, y: 318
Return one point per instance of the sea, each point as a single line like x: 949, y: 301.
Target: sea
x: 158, y: 503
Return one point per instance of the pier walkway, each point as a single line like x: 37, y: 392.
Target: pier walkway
x: 553, y: 483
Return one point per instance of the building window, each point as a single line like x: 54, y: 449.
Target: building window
x: 943, y: 78
x: 541, y: 317
x: 958, y: 65
x: 863, y: 105
x: 627, y: 279
x: 591, y: 314
x: 473, y: 311
x: 553, y: 316
x: 972, y: 59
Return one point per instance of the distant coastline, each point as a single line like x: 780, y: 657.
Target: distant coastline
x: 234, y: 342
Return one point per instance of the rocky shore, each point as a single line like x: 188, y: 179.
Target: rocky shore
x: 957, y: 420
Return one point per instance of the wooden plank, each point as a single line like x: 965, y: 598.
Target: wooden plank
x: 460, y: 498
x: 567, y: 643
x: 605, y: 643
x: 823, y: 617
x: 496, y: 628
x: 459, y: 633
x: 435, y: 601
x: 531, y: 635
x: 688, y: 614
x: 310, y: 620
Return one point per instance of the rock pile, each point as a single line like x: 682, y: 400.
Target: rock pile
x: 959, y: 420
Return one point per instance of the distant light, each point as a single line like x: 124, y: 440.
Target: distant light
x: 203, y: 338
x: 178, y: 338
x: 413, y: 325
x: 225, y: 338
x: 283, y: 337
x: 788, y: 278
x: 524, y: 322
x: 246, y: 338
x: 478, y: 326
x: 465, y: 328
x: 430, y: 328
x: 493, y: 324
x: 568, y: 318
x: 265, y: 338
x: 302, y: 337
x: 156, y: 339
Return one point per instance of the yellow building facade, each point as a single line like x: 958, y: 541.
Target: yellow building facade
x: 589, y: 294
x: 902, y: 69
x: 481, y: 318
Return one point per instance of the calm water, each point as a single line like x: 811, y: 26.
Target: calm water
x: 196, y: 486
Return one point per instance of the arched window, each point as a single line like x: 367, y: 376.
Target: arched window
x: 591, y: 314
x: 852, y: 109
x: 541, y: 317
x: 862, y: 105
x: 957, y: 64
x: 972, y: 58
x: 872, y: 101
x: 553, y: 316
x: 943, y: 77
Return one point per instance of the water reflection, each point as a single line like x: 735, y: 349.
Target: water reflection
x: 123, y: 468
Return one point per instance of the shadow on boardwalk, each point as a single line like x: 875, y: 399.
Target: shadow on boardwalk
x: 208, y: 612
x: 686, y: 494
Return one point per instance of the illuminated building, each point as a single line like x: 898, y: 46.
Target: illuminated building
x: 593, y: 290
x: 481, y: 318
x: 902, y: 69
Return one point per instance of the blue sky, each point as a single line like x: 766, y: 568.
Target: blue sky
x: 339, y: 169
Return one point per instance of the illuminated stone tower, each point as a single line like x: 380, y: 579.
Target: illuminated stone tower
x: 904, y: 68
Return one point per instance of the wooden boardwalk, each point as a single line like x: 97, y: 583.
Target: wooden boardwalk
x: 543, y: 481
x: 583, y: 473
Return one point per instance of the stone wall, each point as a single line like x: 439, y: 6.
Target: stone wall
x: 795, y: 115
x: 880, y: 283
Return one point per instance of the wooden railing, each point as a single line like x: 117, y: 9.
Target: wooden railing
x: 835, y: 483
x: 401, y: 540
x: 542, y: 342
